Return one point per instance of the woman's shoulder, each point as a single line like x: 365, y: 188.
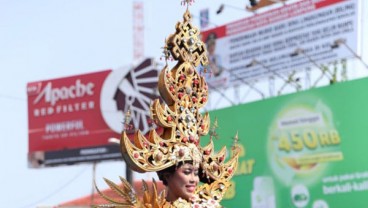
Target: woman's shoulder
x: 195, y: 202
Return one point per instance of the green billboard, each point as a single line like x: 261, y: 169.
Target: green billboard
x: 308, y: 149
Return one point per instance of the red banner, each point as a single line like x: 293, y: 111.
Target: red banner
x: 71, y: 119
x: 65, y: 113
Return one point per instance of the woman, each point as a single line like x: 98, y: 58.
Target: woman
x: 175, y: 152
x: 214, y: 60
x: 181, y: 181
x: 181, y: 185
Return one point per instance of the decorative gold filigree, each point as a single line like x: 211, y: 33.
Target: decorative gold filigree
x: 184, y: 92
x: 185, y: 45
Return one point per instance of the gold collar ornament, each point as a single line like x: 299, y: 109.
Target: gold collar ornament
x: 184, y: 92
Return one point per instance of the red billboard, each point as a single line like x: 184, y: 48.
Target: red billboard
x: 71, y: 119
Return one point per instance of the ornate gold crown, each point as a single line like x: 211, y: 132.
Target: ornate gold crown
x: 184, y: 92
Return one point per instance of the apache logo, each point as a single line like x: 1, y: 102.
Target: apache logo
x: 53, y: 95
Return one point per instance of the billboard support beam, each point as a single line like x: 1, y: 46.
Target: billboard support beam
x: 341, y: 41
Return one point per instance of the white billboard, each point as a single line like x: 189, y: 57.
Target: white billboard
x: 283, y: 39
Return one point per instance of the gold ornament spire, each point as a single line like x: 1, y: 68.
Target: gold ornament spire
x: 184, y: 92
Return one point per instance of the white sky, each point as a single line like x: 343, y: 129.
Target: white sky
x: 47, y: 39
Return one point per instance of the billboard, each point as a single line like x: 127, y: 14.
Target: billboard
x: 71, y: 119
x: 300, y: 150
x: 291, y: 37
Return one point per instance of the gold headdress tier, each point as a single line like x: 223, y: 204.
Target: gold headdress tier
x: 184, y: 92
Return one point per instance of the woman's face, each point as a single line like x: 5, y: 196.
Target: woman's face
x: 182, y: 183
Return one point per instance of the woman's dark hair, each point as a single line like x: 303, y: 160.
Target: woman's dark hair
x: 162, y: 174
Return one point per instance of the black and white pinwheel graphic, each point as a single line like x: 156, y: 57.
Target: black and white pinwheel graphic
x: 134, y: 91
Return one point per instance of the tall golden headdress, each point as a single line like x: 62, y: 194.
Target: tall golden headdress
x: 184, y: 92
